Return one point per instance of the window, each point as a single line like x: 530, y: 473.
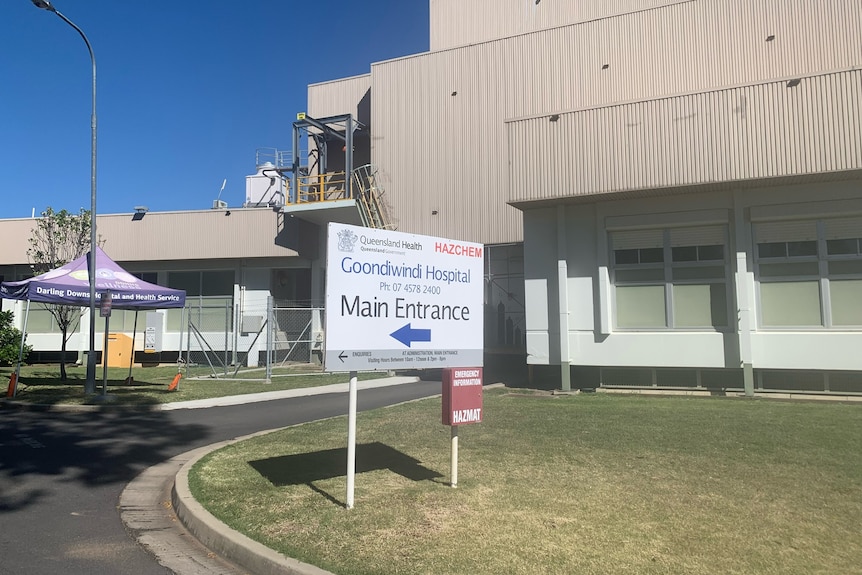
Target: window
x: 209, y: 299
x: 40, y: 320
x: 210, y: 283
x: 810, y: 273
x: 122, y: 320
x: 149, y: 277
x: 673, y: 278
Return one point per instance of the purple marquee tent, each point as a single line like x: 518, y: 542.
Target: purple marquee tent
x: 70, y: 285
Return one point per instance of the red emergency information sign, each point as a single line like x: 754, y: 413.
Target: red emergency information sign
x: 462, y: 395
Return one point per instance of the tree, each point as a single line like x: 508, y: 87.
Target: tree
x: 57, y: 239
x: 10, y: 340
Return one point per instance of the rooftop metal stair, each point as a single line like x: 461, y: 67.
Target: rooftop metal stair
x: 369, y: 199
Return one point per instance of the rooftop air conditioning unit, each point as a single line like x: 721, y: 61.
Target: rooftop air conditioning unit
x: 219, y: 204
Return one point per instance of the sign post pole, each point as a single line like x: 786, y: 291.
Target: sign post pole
x: 351, y: 439
x: 105, y: 311
x: 454, y: 462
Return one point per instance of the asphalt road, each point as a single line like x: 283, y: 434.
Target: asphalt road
x: 61, y: 473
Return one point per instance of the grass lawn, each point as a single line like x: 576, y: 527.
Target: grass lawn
x: 593, y: 483
x: 41, y: 384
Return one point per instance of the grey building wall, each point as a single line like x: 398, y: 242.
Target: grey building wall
x: 580, y: 236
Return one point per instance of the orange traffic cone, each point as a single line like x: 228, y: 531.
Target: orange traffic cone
x: 175, y: 383
x: 13, y: 379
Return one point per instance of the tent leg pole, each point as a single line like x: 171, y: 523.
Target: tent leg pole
x: 21, y: 349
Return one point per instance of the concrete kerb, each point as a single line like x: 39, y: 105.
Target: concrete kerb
x: 300, y: 392
x: 199, y: 543
x: 220, y: 538
x: 771, y: 395
x: 148, y: 515
x: 11, y: 403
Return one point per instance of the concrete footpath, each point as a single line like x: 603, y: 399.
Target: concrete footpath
x: 159, y: 511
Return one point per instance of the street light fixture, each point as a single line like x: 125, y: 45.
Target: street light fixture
x: 90, y: 384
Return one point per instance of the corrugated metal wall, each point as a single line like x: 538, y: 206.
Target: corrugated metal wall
x: 439, y: 135
x: 193, y: 235
x: 168, y: 236
x: 436, y: 141
x: 461, y: 22
x: 338, y: 97
x: 761, y: 131
x: 15, y: 239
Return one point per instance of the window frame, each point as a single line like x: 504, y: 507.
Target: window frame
x: 197, y: 303
x: 667, y: 266
x: 823, y: 278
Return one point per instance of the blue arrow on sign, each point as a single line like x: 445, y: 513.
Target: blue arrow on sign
x: 408, y: 335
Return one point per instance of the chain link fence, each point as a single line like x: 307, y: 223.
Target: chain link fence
x: 208, y: 340
x: 297, y: 335
x: 221, y: 340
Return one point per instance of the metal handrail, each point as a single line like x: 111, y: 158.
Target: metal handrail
x: 332, y: 186
x: 275, y: 156
x: 321, y: 187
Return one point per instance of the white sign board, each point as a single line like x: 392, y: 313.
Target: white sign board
x: 402, y: 301
x: 154, y: 331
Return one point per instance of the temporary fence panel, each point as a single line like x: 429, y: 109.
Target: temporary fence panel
x: 297, y: 335
x: 209, y: 346
x: 219, y: 341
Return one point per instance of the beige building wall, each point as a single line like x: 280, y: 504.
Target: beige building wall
x: 256, y: 233
x: 338, y: 97
x: 458, y: 22
x: 15, y: 239
x: 439, y: 135
x: 771, y: 130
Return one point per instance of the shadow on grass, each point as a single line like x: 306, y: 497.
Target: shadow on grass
x: 136, y: 393
x: 306, y: 468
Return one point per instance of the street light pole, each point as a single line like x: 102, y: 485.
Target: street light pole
x: 90, y: 384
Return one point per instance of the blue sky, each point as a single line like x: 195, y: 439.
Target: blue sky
x: 186, y: 92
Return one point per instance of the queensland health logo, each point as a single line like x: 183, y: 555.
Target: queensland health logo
x: 346, y: 240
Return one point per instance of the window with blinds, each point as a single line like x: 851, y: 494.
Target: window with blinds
x: 209, y: 299
x: 809, y: 273
x: 674, y: 278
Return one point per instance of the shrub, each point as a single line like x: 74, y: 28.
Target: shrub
x: 10, y: 340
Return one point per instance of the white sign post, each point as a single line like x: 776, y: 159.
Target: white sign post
x: 399, y: 301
